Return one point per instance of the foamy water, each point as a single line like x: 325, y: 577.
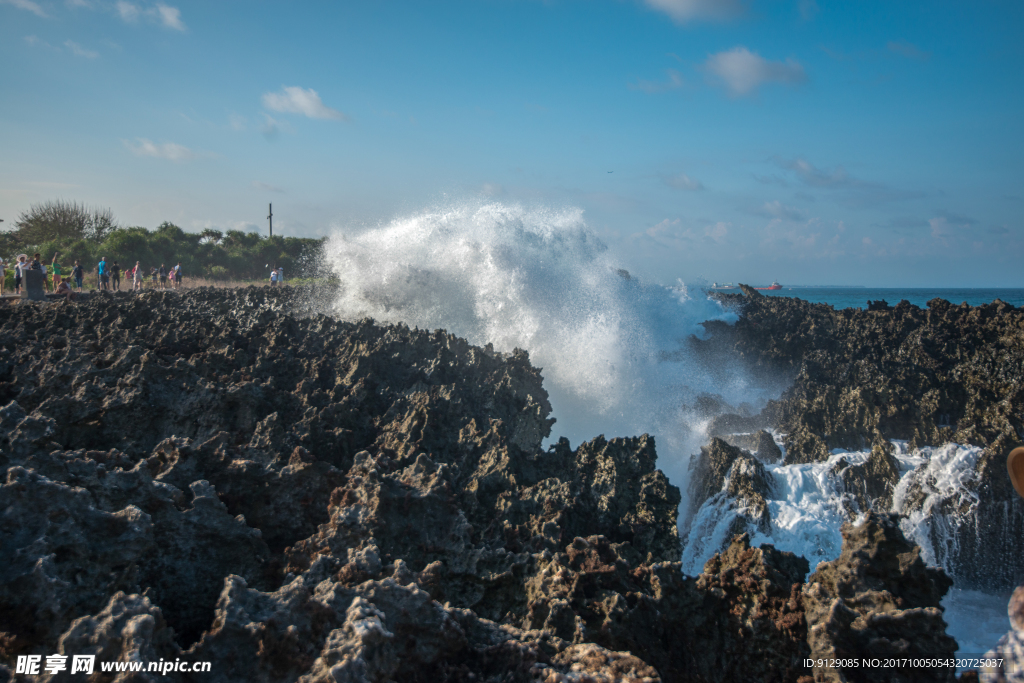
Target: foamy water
x: 614, y: 359
x: 538, y: 279
x: 808, y: 505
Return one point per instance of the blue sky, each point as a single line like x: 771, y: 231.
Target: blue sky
x: 874, y: 143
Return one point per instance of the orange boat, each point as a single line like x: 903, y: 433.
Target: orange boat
x: 774, y: 285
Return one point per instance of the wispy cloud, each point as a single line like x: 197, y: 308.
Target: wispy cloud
x: 673, y: 81
x: 717, y: 232
x: 80, y: 51
x: 808, y: 9
x: 168, y: 150
x: 26, y: 5
x: 858, y: 192
x: 78, y: 3
x: 742, y: 72
x: 818, y: 177
x: 128, y: 11
x: 908, y: 50
x: 776, y: 209
x: 237, y: 122
x: 271, y: 127
x: 296, y: 100
x: 683, y: 11
x: 682, y: 181
x: 170, y: 17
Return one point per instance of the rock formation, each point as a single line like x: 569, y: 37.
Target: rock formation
x: 223, y: 476
x: 929, y: 376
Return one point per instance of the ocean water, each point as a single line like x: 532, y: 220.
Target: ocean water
x: 858, y: 297
x: 614, y: 357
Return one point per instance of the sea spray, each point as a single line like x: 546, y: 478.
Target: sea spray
x: 612, y: 347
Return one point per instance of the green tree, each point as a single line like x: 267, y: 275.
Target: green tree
x: 62, y: 221
x: 211, y: 236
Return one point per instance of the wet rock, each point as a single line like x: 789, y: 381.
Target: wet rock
x: 877, y: 599
x: 722, y: 469
x: 760, y: 444
x: 759, y: 591
x: 943, y: 374
x: 872, y: 483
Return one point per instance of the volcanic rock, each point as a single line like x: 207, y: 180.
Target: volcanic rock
x: 877, y: 600
x: 862, y: 378
x: 226, y: 476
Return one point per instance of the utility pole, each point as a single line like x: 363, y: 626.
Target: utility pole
x: 270, y: 217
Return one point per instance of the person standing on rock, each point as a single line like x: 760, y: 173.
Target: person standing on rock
x: 56, y: 272
x: 101, y: 271
x: 19, y: 269
x: 79, y: 274
x: 273, y: 277
x: 177, y: 276
x: 115, y: 276
x: 3, y: 276
x: 137, y: 277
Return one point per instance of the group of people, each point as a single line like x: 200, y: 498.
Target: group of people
x: 162, y: 277
x: 108, y: 276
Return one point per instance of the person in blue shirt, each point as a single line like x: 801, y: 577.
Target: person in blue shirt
x: 102, y: 269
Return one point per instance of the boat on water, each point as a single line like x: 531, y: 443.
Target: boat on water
x: 773, y: 286
x: 727, y: 285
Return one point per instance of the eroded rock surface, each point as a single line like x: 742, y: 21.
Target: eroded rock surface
x: 216, y: 477
x: 861, y: 378
x: 877, y: 600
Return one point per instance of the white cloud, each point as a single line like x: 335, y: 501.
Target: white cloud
x: 296, y: 100
x: 128, y: 11
x: 26, y: 5
x: 170, y: 17
x: 683, y: 11
x: 80, y: 51
x: 237, y: 122
x: 743, y: 72
x: 683, y: 182
x: 168, y: 150
x: 78, y: 3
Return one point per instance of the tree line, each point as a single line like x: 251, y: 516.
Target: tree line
x: 84, y: 234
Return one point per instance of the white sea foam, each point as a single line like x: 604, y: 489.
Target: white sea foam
x: 538, y: 279
x: 807, y: 508
x: 809, y: 504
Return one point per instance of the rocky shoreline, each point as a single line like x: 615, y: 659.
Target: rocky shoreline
x: 222, y: 476
x: 927, y: 377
